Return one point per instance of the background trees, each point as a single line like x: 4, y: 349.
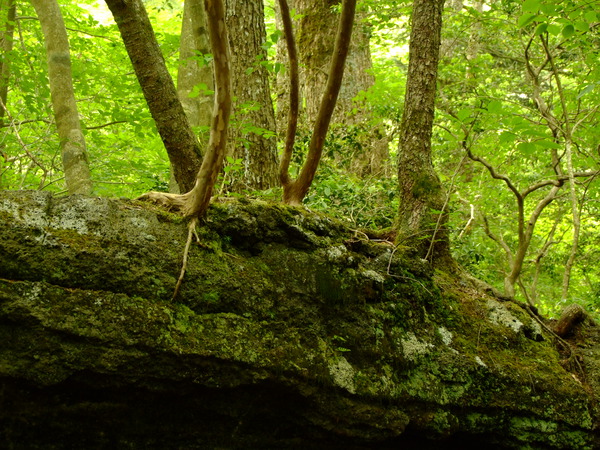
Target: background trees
x: 515, y: 138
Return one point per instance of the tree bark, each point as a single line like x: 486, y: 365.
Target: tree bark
x: 199, y: 198
x: 158, y: 88
x: 252, y: 131
x: 7, y: 12
x: 72, y: 142
x: 421, y: 194
x: 193, y: 75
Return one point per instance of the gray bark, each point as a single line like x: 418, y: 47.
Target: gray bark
x: 253, y: 105
x: 421, y: 193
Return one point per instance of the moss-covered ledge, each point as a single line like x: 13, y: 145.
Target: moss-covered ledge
x: 290, y: 331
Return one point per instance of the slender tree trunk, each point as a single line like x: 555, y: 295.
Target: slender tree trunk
x: 576, y: 222
x: 421, y: 194
x: 199, y: 197
x: 158, y: 88
x: 195, y: 202
x: 316, y: 38
x: 7, y: 13
x: 253, y: 113
x: 72, y: 142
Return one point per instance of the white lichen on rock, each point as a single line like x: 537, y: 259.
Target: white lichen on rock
x: 343, y: 374
x: 372, y: 275
x: 499, y: 315
x: 412, y: 347
x: 336, y: 253
x: 479, y: 361
x: 445, y: 335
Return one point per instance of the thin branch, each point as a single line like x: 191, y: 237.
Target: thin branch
x: 497, y: 239
x: 18, y: 136
x: 23, y: 122
x: 495, y: 174
x: 558, y: 180
x: 96, y: 127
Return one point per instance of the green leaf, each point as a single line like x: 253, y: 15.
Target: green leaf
x: 589, y: 88
x: 494, y: 106
x: 554, y: 29
x: 548, y: 9
x: 547, y: 144
x: 526, y: 147
x: 582, y: 26
x: 541, y: 29
x: 590, y: 16
x: 463, y: 114
x: 568, y: 30
x: 526, y: 19
x: 531, y: 5
x: 506, y: 137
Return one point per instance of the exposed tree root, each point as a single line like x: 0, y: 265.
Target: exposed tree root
x: 179, y: 203
x: 186, y: 252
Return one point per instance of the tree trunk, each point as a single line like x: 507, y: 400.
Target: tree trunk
x: 315, y: 39
x: 194, y: 203
x: 422, y: 199
x: 72, y: 142
x: 199, y: 198
x: 158, y: 88
x: 252, y: 131
x: 7, y: 13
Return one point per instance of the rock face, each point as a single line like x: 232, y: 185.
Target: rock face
x: 290, y: 331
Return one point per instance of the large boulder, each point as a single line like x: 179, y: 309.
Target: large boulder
x: 290, y: 331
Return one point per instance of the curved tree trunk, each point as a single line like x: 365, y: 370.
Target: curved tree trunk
x: 421, y: 193
x: 199, y: 198
x: 194, y: 203
x: 72, y: 142
x: 158, y: 88
x: 253, y: 107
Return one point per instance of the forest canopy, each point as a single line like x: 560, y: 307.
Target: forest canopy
x: 515, y: 139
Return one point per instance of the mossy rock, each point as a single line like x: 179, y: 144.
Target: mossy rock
x: 290, y: 331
